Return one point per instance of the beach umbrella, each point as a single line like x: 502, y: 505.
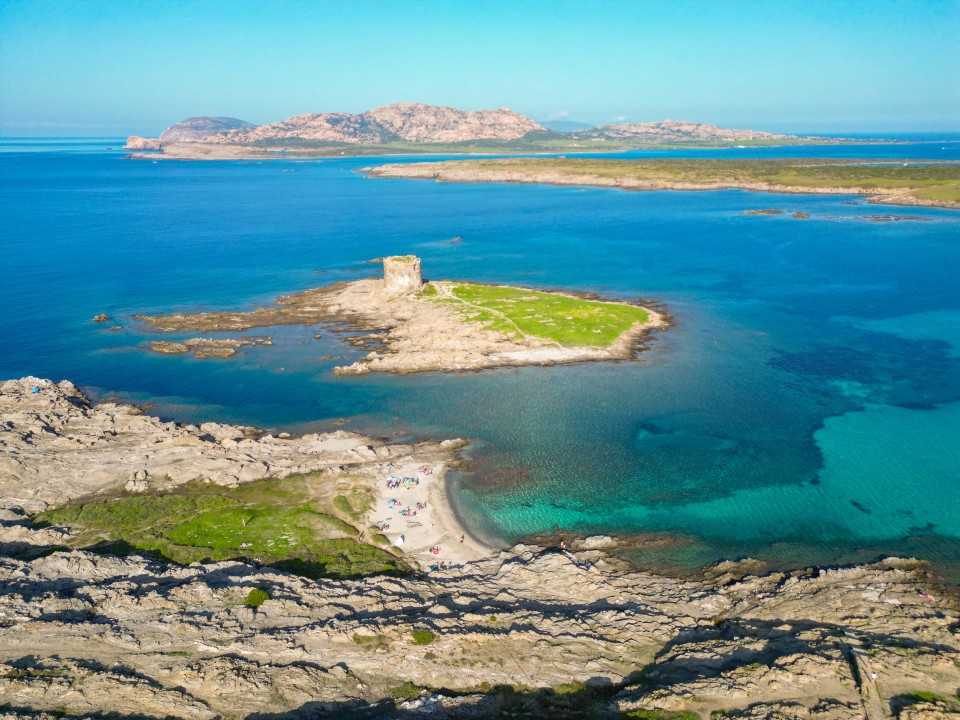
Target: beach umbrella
x: 398, y: 542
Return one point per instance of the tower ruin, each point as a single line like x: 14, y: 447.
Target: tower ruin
x: 401, y: 274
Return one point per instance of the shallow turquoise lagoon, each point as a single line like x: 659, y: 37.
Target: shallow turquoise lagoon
x: 805, y: 407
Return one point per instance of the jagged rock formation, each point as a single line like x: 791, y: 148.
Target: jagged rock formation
x: 135, y: 142
x: 86, y: 634
x: 77, y: 633
x: 196, y: 128
x: 56, y: 446
x: 412, y: 122
x: 672, y: 131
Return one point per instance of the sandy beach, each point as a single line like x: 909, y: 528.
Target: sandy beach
x: 417, y: 510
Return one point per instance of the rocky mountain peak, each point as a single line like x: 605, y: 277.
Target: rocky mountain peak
x: 197, y: 128
x: 417, y: 122
x: 412, y: 122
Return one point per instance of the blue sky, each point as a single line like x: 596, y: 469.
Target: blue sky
x: 117, y: 67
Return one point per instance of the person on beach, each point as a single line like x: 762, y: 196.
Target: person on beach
x: 563, y: 544
x: 461, y: 538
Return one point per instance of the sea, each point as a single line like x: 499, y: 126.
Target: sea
x: 803, y: 409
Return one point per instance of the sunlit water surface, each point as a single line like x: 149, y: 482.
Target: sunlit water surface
x: 805, y: 407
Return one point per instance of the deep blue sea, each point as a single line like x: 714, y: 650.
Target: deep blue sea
x: 804, y: 408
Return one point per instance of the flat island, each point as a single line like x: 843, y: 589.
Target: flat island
x: 890, y: 182
x: 441, y: 325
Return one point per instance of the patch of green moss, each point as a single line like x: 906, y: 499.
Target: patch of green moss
x: 422, y: 637
x: 271, y: 522
x: 256, y: 597
x: 407, y: 691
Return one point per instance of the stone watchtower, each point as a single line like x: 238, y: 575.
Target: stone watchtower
x: 401, y: 274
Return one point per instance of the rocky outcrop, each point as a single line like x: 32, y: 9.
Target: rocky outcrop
x: 196, y: 128
x: 672, y: 131
x: 205, y: 348
x: 416, y: 122
x: 135, y: 142
x: 82, y: 632
x: 411, y: 122
x: 55, y: 446
x: 87, y: 634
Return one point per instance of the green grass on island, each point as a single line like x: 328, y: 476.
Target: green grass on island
x: 930, y: 182
x: 567, y: 321
x: 536, y: 142
x: 286, y: 524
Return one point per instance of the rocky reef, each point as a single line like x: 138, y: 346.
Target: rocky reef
x: 526, y: 632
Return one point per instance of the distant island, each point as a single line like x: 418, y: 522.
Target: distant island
x: 411, y: 326
x: 882, y: 181
x: 421, y: 128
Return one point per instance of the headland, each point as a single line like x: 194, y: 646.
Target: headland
x: 440, y: 326
x: 221, y: 571
x: 883, y: 182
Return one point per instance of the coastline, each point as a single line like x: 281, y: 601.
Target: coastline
x: 224, y: 151
x: 412, y: 334
x: 215, y: 638
x: 465, y: 172
x: 436, y: 526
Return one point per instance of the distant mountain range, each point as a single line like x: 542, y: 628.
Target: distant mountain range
x: 431, y: 124
x: 401, y: 122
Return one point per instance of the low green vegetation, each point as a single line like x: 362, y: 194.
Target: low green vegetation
x: 354, y: 504
x: 918, y: 696
x: 281, y: 523
x: 256, y: 597
x: 565, y: 320
x: 934, y: 182
x: 407, y: 691
x: 422, y: 637
x: 371, y: 640
x: 545, y: 142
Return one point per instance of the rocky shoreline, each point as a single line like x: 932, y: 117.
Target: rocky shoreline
x: 86, y: 634
x: 413, y: 334
x: 465, y: 172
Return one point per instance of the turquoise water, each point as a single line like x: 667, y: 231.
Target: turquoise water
x: 805, y: 407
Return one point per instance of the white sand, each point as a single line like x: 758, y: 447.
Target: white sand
x: 434, y: 526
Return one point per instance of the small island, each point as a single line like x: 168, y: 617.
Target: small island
x: 445, y: 325
x: 888, y: 182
